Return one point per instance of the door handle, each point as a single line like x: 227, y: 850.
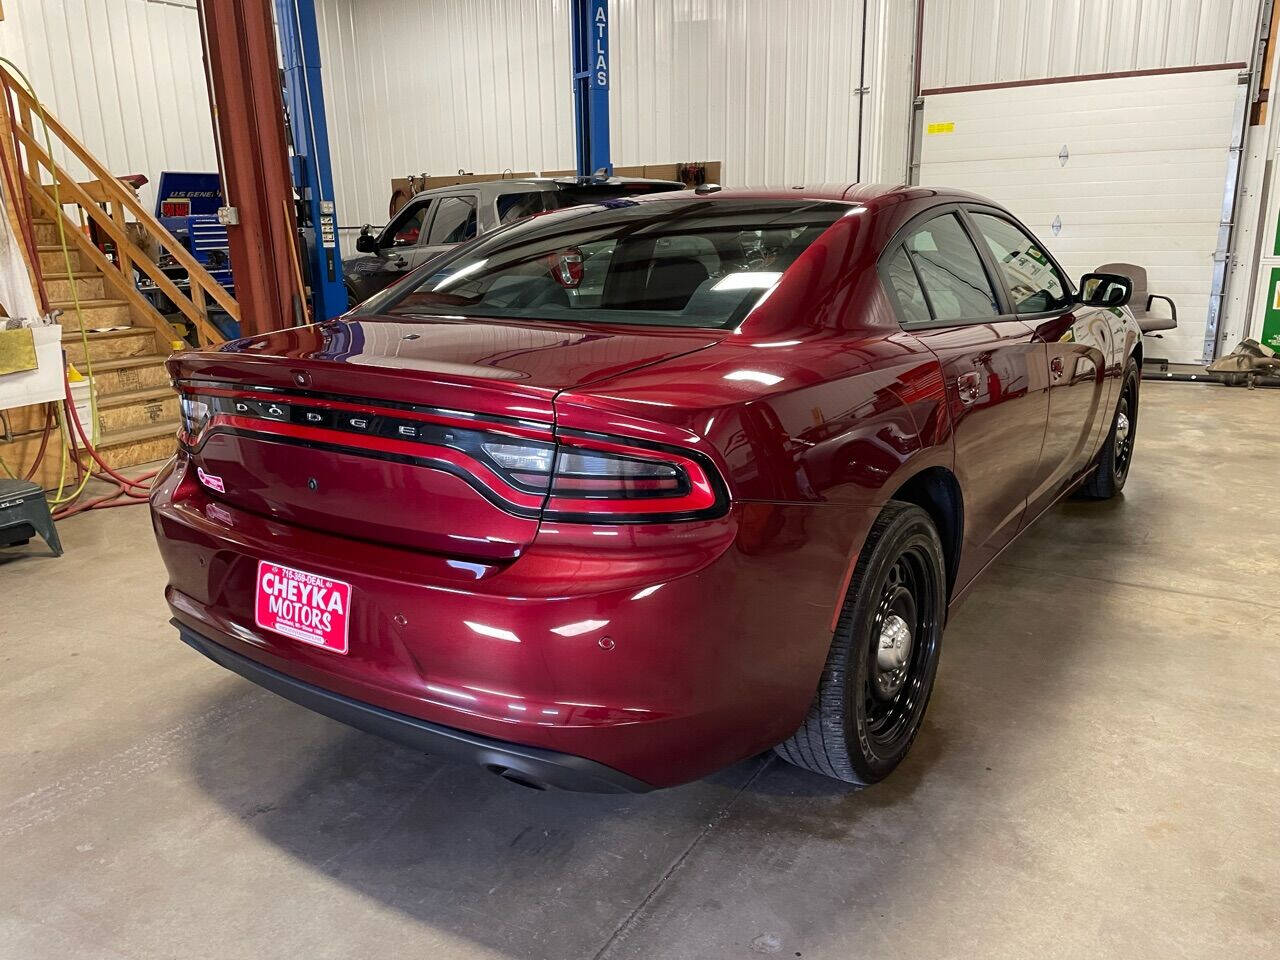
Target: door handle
x: 1055, y: 368
x: 967, y: 384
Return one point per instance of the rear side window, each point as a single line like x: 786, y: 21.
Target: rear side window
x: 951, y: 270
x: 455, y: 220
x: 1033, y: 281
x: 516, y: 206
x: 905, y: 287
x: 673, y: 263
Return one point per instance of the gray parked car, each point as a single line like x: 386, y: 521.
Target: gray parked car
x: 435, y: 220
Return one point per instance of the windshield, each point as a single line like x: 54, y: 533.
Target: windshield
x: 671, y: 263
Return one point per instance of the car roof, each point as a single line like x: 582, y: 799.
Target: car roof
x: 868, y: 194
x: 524, y: 184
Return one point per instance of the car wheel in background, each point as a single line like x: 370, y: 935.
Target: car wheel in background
x: 1109, y: 476
x: 879, y: 674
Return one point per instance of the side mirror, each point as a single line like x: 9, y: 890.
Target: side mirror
x: 366, y: 242
x: 1105, y: 290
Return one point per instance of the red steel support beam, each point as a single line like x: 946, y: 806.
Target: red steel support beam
x: 244, y: 85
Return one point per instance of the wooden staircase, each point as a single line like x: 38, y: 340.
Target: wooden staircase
x: 137, y: 409
x: 114, y: 332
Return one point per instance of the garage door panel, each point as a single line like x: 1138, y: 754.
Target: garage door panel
x: 1143, y: 180
x: 1138, y: 197
x: 1127, y: 210
x: 1121, y: 165
x: 1150, y: 92
x: 1179, y: 149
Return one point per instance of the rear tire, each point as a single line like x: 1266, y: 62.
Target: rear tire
x: 879, y: 674
x: 1109, y: 475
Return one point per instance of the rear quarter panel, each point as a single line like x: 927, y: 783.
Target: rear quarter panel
x: 812, y: 433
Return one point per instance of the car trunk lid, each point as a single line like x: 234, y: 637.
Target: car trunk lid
x: 386, y: 430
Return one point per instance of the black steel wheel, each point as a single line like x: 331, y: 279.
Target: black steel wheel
x: 1116, y: 455
x: 872, y: 696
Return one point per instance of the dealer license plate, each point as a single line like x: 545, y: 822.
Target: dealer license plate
x: 303, y: 606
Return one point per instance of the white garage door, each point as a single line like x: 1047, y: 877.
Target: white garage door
x: 1127, y: 169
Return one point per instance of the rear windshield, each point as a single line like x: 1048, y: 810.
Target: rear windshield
x: 670, y: 263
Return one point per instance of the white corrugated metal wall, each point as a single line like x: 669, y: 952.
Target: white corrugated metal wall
x: 412, y: 86
x: 769, y: 88
x: 126, y: 76
x: 434, y: 86
x: 997, y: 41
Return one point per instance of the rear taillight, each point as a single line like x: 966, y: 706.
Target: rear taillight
x: 599, y: 479
x: 602, y: 476
x: 602, y: 479
x: 566, y: 267
x: 195, y: 417
x: 573, y: 477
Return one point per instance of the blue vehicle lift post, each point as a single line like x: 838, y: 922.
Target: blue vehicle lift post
x: 304, y: 97
x: 589, y: 20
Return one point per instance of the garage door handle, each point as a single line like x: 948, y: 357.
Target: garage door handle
x: 967, y: 384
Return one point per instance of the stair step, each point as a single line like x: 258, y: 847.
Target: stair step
x: 159, y: 406
x: 145, y: 395
x: 97, y: 313
x: 88, y: 286
x: 108, y: 344
x: 46, y: 233
x: 111, y: 377
x: 127, y: 448
x: 53, y: 262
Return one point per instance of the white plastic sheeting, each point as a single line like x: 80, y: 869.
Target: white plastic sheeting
x: 16, y: 294
x: 997, y: 41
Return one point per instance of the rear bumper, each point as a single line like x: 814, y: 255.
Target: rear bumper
x: 661, y: 651
x: 530, y: 766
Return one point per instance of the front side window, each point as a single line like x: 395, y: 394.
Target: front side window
x: 1033, y: 281
x: 673, y: 263
x: 406, y: 229
x: 455, y: 221
x: 951, y: 271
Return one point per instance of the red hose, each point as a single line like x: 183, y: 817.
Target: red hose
x: 88, y: 445
x: 44, y: 442
x: 129, y: 490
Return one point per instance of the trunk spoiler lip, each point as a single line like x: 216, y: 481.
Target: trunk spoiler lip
x: 200, y: 385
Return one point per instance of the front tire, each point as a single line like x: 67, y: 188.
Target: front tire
x: 1112, y: 470
x: 879, y: 674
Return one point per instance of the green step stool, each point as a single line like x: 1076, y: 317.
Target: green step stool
x: 24, y: 512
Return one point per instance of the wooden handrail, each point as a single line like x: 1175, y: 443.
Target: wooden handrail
x: 120, y: 199
x: 69, y: 191
x: 163, y: 330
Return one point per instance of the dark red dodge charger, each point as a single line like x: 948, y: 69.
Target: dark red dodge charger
x: 621, y: 494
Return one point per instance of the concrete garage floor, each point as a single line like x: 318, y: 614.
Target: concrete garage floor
x: 1098, y: 776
